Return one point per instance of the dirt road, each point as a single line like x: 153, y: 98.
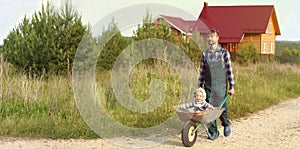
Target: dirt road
x: 277, y: 127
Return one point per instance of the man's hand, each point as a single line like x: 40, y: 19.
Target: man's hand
x: 231, y: 92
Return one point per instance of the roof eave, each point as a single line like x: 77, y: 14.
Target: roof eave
x: 173, y: 25
x: 274, y: 17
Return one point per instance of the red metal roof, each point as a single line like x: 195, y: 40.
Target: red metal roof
x: 233, y: 21
x: 183, y: 25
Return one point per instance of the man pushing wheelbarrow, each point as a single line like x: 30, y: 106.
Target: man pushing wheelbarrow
x: 215, y: 75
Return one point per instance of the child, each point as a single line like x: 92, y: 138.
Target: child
x: 199, y: 103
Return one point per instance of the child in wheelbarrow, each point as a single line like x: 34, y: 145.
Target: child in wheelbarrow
x: 199, y: 102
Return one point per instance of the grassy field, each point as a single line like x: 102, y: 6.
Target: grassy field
x: 37, y: 107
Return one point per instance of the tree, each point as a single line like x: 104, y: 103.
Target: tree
x: 295, y: 52
x: 112, y: 43
x: 247, y: 54
x: 156, y: 36
x: 45, y: 43
x: 283, y: 45
x: 286, y: 52
x: 194, y: 46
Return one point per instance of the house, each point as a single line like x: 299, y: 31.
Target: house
x: 237, y: 25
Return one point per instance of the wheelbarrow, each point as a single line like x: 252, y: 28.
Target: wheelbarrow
x: 194, y: 120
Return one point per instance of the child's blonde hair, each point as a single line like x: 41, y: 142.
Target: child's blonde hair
x: 202, y: 91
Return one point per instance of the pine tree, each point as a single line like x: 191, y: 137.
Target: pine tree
x: 112, y: 43
x: 47, y: 42
x: 161, y: 31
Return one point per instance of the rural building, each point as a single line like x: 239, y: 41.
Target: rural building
x: 237, y: 25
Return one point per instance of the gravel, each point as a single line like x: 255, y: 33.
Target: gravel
x: 277, y: 127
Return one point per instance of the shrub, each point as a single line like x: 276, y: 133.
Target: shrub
x: 247, y: 54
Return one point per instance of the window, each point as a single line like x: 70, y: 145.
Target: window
x: 270, y: 28
x: 233, y: 46
x: 265, y: 47
x: 271, y: 47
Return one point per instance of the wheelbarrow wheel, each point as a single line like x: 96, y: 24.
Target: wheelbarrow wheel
x: 188, y: 136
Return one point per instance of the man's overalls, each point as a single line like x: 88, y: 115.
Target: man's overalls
x: 216, y: 86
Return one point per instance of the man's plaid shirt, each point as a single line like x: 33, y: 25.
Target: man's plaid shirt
x: 222, y: 54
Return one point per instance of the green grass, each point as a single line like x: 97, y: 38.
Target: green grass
x: 262, y: 85
x: 139, y: 81
x: 37, y: 107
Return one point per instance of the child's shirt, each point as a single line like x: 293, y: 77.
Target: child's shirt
x: 198, y: 106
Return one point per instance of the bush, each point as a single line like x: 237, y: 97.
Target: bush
x: 247, y: 54
x: 287, y: 52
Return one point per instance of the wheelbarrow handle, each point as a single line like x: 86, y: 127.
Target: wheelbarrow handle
x: 225, y: 99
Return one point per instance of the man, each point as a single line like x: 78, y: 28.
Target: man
x: 215, y: 74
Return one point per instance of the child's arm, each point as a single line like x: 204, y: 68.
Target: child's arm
x: 187, y: 105
x: 209, y: 106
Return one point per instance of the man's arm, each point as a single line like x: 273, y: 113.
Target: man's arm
x: 202, y: 71
x: 229, y: 71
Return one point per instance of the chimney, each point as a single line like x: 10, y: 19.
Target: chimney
x: 205, y: 9
x: 205, y: 4
x: 204, y: 12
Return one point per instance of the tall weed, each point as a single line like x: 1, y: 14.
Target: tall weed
x: 261, y: 85
x: 38, y: 107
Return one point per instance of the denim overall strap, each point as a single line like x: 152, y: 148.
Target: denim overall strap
x: 216, y: 86
x: 215, y: 82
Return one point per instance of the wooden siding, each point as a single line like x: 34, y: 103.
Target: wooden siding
x: 254, y: 38
x: 236, y: 47
x: 268, y: 39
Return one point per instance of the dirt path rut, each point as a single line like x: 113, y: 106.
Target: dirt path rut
x: 277, y: 127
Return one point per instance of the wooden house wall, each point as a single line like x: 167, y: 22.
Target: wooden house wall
x: 268, y: 38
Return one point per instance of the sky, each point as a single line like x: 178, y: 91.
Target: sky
x: 94, y: 11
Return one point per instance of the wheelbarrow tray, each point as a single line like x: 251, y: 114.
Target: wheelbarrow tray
x: 203, y: 117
